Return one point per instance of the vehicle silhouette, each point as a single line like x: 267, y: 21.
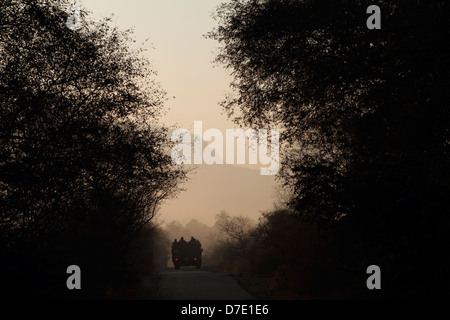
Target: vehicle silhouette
x: 187, y: 253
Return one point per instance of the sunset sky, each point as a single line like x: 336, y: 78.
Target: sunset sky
x: 183, y: 59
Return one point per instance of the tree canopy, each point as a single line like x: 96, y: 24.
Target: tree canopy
x: 80, y: 142
x: 364, y: 113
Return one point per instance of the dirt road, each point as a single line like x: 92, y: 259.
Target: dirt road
x: 190, y: 283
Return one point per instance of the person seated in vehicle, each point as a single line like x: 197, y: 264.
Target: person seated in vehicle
x: 175, y: 245
x: 194, y: 243
x: 182, y: 243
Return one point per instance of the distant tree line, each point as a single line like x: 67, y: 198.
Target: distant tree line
x: 84, y: 164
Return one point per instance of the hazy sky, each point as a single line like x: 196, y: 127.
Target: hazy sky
x: 183, y: 59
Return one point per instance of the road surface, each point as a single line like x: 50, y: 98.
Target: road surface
x: 189, y: 283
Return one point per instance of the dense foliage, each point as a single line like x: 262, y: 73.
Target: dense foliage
x: 365, y: 118
x: 84, y: 164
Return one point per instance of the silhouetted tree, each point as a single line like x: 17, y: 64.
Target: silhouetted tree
x: 365, y: 116
x: 236, y: 228
x: 81, y: 150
